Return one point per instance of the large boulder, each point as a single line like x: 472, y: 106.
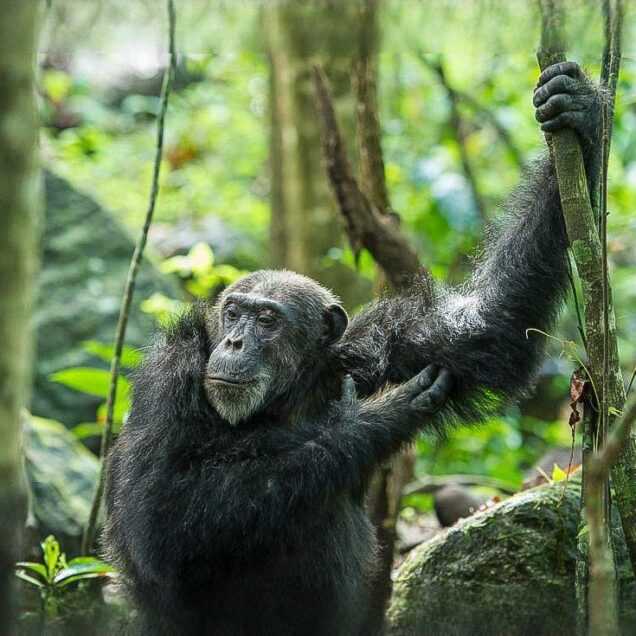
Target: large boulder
x: 506, y: 571
x: 86, y: 253
x: 61, y: 478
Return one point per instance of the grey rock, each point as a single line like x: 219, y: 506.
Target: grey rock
x: 506, y: 571
x: 86, y: 253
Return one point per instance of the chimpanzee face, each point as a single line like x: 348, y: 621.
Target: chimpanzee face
x: 266, y: 333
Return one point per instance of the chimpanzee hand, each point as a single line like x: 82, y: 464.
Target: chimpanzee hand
x: 424, y: 394
x: 565, y: 97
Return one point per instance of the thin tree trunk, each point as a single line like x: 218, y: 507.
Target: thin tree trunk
x: 305, y: 225
x: 19, y: 219
x: 602, y: 350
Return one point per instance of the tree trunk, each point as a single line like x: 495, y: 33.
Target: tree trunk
x: 305, y: 223
x: 19, y: 219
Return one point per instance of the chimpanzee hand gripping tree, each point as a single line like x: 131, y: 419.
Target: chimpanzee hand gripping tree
x: 234, y: 494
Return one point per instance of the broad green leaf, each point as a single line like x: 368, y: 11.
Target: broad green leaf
x: 88, y: 560
x: 21, y: 574
x: 176, y: 265
x: 89, y: 380
x: 82, y: 568
x: 51, y: 552
x: 130, y: 357
x: 38, y: 568
x: 83, y: 577
x: 87, y: 429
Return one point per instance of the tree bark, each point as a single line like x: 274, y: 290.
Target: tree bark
x: 20, y: 197
x: 305, y: 223
x: 602, y: 351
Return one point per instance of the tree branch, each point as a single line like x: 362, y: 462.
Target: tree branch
x: 366, y: 225
x: 88, y: 538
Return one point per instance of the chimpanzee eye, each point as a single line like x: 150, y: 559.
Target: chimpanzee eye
x: 266, y: 320
x: 231, y: 312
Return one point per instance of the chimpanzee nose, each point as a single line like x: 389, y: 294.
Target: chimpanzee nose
x: 234, y: 342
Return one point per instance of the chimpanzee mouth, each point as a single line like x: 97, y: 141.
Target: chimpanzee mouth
x: 223, y: 380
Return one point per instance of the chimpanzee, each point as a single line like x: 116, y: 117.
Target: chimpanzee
x: 235, y: 491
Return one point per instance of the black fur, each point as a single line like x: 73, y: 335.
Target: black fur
x: 256, y: 525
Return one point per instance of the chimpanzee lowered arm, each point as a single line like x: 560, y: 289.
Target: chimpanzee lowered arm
x: 479, y: 332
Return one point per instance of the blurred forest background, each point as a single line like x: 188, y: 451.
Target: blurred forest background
x: 243, y: 186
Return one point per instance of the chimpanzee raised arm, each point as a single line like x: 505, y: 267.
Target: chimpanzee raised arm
x: 479, y: 332
x: 235, y: 491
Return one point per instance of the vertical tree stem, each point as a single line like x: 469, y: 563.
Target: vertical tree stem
x: 88, y: 538
x: 20, y: 208
x: 601, y: 347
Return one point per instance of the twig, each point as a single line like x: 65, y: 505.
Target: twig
x: 603, y: 600
x: 610, y: 66
x: 88, y: 538
x: 618, y: 437
x: 432, y: 483
x: 631, y: 381
x: 577, y: 307
x: 458, y: 126
x: 470, y: 101
x: 604, y: 406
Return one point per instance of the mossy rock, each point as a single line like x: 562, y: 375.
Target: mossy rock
x: 61, y: 477
x: 86, y: 253
x: 506, y: 571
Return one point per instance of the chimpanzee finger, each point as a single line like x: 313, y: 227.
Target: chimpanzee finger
x: 556, y: 105
x: 418, y: 383
x: 432, y: 399
x: 556, y: 86
x: 564, y: 120
x: 349, y: 395
x: 560, y: 68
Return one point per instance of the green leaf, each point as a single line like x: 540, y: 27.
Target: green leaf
x: 51, y: 552
x: 176, y: 265
x: 122, y: 406
x: 21, y: 574
x: 130, y: 357
x: 201, y: 259
x: 89, y: 380
x: 87, y: 429
x: 83, y: 577
x: 89, y: 560
x: 161, y: 306
x: 82, y: 568
x: 38, y: 568
x: 558, y: 474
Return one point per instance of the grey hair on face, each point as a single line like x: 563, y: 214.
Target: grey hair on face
x: 235, y: 404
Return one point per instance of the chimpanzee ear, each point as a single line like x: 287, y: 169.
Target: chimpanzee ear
x: 335, y: 323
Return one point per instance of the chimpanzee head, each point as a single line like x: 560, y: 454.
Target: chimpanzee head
x: 268, y: 327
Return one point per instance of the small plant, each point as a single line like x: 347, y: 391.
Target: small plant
x: 55, y: 574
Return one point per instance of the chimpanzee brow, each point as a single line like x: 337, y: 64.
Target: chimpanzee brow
x: 251, y: 301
